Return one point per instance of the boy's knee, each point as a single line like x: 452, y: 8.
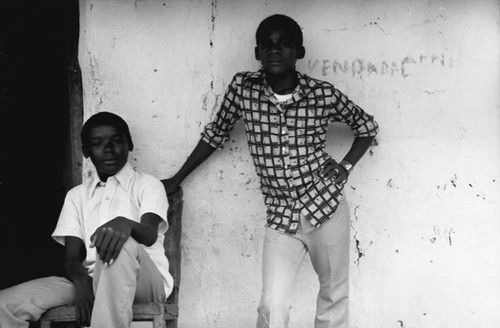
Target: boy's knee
x: 131, y: 245
x: 272, y: 305
x: 129, y: 250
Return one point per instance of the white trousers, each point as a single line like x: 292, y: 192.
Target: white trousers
x: 328, y: 247
x: 133, y: 277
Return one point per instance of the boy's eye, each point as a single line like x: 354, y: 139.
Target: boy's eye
x: 279, y: 45
x: 266, y: 45
x: 118, y: 139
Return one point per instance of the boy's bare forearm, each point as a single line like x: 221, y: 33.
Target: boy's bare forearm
x: 359, y: 147
x: 74, y: 269
x: 200, y: 153
x: 75, y: 253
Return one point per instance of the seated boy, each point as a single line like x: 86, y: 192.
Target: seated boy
x: 112, y: 227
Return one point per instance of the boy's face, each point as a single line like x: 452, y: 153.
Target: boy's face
x: 108, y: 150
x: 277, y: 53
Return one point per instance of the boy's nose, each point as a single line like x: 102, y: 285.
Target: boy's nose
x: 109, y: 146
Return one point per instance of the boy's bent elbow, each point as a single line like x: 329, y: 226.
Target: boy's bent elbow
x: 151, y: 240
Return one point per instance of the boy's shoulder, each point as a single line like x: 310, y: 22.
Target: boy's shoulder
x: 147, y: 178
x: 146, y: 182
x: 312, y: 82
x: 244, y: 76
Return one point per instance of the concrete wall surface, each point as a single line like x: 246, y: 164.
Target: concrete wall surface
x: 425, y: 200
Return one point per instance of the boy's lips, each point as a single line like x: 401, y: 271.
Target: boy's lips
x: 274, y: 61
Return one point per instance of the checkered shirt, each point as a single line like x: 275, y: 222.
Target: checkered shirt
x: 287, y: 143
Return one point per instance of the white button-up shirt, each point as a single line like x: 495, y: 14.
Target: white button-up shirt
x: 129, y: 194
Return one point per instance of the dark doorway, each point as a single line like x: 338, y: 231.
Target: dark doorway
x: 40, y: 104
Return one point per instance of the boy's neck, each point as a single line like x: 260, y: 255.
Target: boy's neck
x: 103, y: 177
x: 283, y: 83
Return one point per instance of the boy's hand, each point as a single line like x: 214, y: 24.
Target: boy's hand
x: 109, y: 238
x: 333, y: 170
x: 84, y: 300
x: 171, y: 185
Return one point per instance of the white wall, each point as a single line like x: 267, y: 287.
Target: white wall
x: 425, y: 200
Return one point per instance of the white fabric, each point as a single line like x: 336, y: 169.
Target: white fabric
x: 129, y: 194
x: 283, y: 98
x: 132, y: 278
x: 283, y: 255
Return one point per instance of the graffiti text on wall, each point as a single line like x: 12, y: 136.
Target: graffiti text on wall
x: 362, y: 67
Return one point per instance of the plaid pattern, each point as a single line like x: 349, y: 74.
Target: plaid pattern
x: 287, y: 141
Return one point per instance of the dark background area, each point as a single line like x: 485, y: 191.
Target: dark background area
x: 36, y: 40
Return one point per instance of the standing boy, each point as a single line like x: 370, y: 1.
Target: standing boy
x: 112, y: 227
x: 286, y: 116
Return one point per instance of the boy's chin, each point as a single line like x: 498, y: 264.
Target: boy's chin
x: 278, y: 71
x: 109, y: 170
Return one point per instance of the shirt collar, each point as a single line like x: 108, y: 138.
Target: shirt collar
x: 305, y: 86
x: 124, y: 177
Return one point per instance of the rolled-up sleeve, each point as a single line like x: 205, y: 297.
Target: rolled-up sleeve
x: 153, y: 199
x: 217, y: 132
x: 345, y: 111
x: 69, y: 223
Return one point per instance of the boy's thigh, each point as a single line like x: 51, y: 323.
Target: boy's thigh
x: 329, y: 245
x: 281, y: 260
x: 38, y: 295
x: 150, y: 286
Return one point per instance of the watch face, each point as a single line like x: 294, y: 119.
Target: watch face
x: 347, y: 166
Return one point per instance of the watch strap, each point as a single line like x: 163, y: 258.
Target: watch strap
x: 348, y: 166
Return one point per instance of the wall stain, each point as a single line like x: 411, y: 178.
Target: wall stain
x: 433, y: 92
x: 135, y: 4
x: 214, y: 13
x: 429, y: 21
x: 358, y: 249
x: 445, y: 234
x: 374, y: 23
x: 95, y: 73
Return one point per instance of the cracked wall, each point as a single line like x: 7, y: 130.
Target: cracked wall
x: 425, y: 199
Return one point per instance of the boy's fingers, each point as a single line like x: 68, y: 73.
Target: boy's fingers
x: 86, y: 321
x: 330, y: 172
x: 103, y: 248
x: 98, y: 238
x: 78, y: 315
x: 110, y: 250
x: 117, y: 250
x: 341, y: 178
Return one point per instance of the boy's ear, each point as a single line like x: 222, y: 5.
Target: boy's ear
x: 85, y: 151
x: 301, y: 52
x: 257, y: 54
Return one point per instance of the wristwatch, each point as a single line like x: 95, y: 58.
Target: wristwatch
x: 346, y: 165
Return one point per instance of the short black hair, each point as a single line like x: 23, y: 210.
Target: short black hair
x: 279, y: 22
x: 109, y: 119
